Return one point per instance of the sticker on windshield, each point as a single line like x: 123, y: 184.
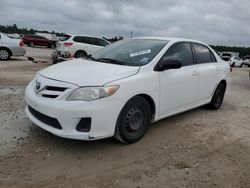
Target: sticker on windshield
x: 134, y: 54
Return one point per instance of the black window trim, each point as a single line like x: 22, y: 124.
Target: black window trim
x: 90, y: 40
x: 194, y: 54
x: 181, y: 42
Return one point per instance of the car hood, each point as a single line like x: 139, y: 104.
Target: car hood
x: 88, y: 73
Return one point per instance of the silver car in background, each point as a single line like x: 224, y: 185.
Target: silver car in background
x: 10, y: 47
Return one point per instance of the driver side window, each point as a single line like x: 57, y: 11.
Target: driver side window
x: 181, y: 52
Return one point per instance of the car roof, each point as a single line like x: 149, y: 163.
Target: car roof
x: 172, y: 39
x: 72, y: 36
x: 87, y: 36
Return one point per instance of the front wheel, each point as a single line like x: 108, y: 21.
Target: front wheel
x: 31, y: 44
x: 52, y: 46
x: 218, y: 96
x: 80, y: 54
x: 133, y: 121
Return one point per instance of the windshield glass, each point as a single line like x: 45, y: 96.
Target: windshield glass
x: 130, y: 52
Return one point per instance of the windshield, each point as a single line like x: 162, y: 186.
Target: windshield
x: 130, y: 52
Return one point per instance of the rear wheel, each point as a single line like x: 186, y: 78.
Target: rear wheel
x: 133, y: 121
x: 31, y: 44
x: 52, y: 46
x: 80, y: 54
x: 233, y: 64
x: 218, y: 96
x: 4, y: 54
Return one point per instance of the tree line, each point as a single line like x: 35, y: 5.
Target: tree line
x: 14, y: 29
x: 243, y: 51
x: 11, y: 29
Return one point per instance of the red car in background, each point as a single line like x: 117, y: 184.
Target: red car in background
x: 36, y: 40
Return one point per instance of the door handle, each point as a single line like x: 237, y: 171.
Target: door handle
x: 195, y: 73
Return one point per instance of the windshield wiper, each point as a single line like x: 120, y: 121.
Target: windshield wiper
x: 109, y: 60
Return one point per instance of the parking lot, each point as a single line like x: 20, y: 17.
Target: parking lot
x: 199, y: 148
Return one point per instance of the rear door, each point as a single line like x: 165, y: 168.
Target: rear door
x: 178, y: 87
x: 43, y: 41
x: 86, y: 44
x: 208, y: 69
x: 95, y: 44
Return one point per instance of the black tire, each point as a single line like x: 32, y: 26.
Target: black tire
x: 133, y: 121
x: 218, y: 96
x: 4, y: 54
x: 241, y: 65
x: 31, y: 44
x: 52, y: 46
x: 233, y: 64
x: 80, y: 54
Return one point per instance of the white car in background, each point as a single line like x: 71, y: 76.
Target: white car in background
x: 121, y: 89
x: 247, y: 60
x: 79, y: 46
x: 236, y: 62
x: 10, y: 47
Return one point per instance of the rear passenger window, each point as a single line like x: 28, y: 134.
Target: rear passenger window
x: 80, y: 39
x: 203, y: 54
x: 181, y: 52
x: 213, y: 57
x: 94, y: 41
x: 102, y: 42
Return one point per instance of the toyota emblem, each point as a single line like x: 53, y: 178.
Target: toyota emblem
x: 38, y: 85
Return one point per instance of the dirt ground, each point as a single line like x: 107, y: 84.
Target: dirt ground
x: 199, y: 148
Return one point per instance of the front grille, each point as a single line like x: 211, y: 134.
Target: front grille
x: 53, y: 88
x: 51, y: 91
x: 53, y: 122
x: 50, y: 96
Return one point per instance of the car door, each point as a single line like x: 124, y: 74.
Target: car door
x: 208, y: 69
x: 95, y: 45
x: 86, y: 44
x: 34, y: 39
x: 178, y: 87
x: 43, y: 41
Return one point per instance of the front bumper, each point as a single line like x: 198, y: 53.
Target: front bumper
x: 103, y: 114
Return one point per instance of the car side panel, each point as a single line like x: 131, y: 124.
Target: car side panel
x: 13, y: 46
x: 178, y: 88
x: 208, y: 80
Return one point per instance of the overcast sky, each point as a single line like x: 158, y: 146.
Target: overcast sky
x: 224, y: 22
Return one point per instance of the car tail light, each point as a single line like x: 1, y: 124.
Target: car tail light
x: 67, y: 44
x: 21, y: 43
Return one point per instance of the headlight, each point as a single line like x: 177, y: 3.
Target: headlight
x: 92, y: 93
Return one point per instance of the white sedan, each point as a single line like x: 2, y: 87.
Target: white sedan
x: 236, y: 62
x: 122, y: 88
x: 10, y: 47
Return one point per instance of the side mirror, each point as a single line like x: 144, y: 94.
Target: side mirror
x: 169, y: 64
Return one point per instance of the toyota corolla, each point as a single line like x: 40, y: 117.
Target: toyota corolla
x: 120, y: 90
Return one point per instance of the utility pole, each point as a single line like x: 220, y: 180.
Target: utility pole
x: 131, y: 34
